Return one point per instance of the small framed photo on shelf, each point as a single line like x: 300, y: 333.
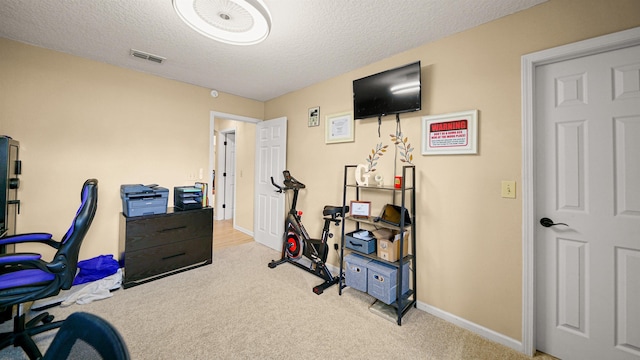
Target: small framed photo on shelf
x: 360, y: 209
x: 314, y: 116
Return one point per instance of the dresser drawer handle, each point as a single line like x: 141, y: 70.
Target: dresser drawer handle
x: 172, y: 256
x: 172, y: 229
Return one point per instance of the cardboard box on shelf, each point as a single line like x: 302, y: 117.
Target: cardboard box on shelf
x: 389, y: 246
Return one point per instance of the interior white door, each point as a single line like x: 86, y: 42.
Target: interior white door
x: 229, y: 175
x: 587, y: 173
x: 271, y: 152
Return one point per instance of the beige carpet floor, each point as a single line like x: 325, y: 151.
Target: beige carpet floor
x: 238, y: 308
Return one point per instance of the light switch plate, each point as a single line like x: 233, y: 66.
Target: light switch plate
x: 509, y: 189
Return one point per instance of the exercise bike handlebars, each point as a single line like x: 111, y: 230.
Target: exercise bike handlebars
x: 290, y: 183
x: 280, y: 188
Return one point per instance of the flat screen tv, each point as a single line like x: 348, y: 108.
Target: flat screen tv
x: 392, y: 91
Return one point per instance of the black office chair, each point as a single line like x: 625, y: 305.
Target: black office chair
x: 25, y: 277
x: 86, y: 336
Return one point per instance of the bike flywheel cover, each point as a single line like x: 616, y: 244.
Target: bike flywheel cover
x: 294, y: 248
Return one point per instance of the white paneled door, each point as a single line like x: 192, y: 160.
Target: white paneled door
x: 271, y: 152
x: 587, y: 173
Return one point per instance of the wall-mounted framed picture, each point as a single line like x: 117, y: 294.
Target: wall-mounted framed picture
x: 339, y: 128
x: 360, y: 209
x: 314, y: 116
x: 454, y: 133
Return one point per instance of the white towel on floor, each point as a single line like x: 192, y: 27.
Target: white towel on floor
x: 96, y: 290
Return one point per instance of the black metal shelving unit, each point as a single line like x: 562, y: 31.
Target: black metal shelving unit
x: 407, y: 197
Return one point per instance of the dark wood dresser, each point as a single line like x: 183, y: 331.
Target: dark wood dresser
x: 154, y: 246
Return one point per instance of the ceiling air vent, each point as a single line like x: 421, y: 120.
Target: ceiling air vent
x: 146, y: 56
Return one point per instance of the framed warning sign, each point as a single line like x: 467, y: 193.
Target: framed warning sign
x: 455, y: 133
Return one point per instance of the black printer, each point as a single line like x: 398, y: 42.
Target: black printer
x: 138, y: 199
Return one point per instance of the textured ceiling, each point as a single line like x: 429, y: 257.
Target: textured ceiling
x: 310, y: 40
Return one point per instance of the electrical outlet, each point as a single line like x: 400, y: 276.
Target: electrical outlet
x: 509, y: 189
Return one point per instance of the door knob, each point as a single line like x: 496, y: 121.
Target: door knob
x: 546, y: 222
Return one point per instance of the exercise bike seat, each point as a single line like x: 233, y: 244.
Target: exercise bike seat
x: 333, y: 211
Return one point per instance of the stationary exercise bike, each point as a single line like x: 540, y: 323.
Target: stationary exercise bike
x: 296, y: 241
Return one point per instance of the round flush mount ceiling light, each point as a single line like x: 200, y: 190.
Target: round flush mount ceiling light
x: 236, y: 22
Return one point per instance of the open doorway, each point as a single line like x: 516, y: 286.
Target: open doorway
x: 232, y: 195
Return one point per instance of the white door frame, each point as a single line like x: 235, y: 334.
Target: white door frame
x: 529, y: 64
x: 212, y: 144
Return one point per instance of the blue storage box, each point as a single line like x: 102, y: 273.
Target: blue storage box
x: 355, y: 274
x: 382, y: 280
x: 366, y: 246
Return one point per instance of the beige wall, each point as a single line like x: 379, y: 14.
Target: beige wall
x: 469, y: 238
x: 245, y: 174
x: 77, y: 119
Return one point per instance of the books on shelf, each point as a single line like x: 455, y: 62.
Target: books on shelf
x: 205, y: 194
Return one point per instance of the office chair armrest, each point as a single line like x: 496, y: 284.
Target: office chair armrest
x: 18, y: 258
x: 20, y: 238
x: 24, y: 261
x: 43, y: 238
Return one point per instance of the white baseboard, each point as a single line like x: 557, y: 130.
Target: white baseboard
x: 334, y: 269
x: 243, y: 230
x: 473, y: 327
x: 463, y: 323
